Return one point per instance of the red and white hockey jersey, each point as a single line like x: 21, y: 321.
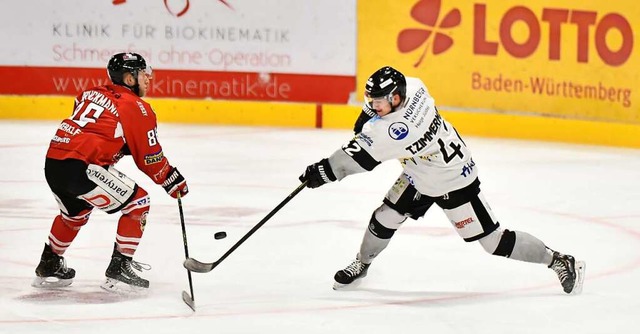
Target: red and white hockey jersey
x: 108, y: 122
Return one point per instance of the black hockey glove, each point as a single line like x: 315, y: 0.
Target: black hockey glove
x: 175, y: 183
x: 318, y: 174
x: 364, y: 117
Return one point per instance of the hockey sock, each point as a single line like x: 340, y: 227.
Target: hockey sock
x: 530, y: 249
x: 132, y: 223
x: 64, y: 229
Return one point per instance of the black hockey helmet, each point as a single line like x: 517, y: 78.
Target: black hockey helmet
x: 127, y: 62
x: 385, y: 82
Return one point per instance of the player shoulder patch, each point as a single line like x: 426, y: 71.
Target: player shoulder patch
x: 398, y: 130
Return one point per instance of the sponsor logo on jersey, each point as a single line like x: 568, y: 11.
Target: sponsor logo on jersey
x: 468, y: 168
x: 142, y: 108
x: 427, y: 137
x: 411, y: 181
x: 417, y: 103
x: 461, y: 224
x: 70, y: 129
x: 151, y: 159
x: 363, y: 137
x: 398, y: 131
x: 64, y: 140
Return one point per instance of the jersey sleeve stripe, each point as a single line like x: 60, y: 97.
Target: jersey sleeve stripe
x: 361, y: 156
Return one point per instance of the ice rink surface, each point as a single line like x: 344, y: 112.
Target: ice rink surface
x: 581, y: 200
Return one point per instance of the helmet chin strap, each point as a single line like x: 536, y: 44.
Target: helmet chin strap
x: 136, y: 87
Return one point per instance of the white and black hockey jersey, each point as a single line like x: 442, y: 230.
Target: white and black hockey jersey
x: 435, y: 158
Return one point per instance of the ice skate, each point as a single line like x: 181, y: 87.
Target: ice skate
x: 570, y: 272
x: 52, y: 271
x: 351, y: 273
x: 120, y: 275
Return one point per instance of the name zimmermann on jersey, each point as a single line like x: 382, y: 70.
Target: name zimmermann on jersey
x: 421, y: 143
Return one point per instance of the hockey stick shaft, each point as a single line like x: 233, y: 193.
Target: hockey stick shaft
x: 188, y: 299
x: 202, y: 267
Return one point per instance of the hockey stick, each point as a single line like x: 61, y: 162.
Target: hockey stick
x: 187, y: 298
x: 202, y: 267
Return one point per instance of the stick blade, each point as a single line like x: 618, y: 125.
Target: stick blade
x: 188, y: 300
x: 197, y: 266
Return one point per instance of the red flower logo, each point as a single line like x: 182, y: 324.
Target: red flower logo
x: 427, y: 13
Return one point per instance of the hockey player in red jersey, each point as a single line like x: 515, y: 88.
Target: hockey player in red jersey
x: 108, y: 122
x: 400, y: 121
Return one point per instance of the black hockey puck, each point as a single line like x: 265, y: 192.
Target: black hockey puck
x: 220, y: 235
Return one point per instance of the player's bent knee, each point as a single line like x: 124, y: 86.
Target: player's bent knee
x: 385, y: 221
x: 379, y: 230
x: 133, y: 220
x: 389, y: 217
x: 499, y: 242
x: 139, y: 204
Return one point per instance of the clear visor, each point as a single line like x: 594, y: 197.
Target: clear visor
x: 372, y: 102
x: 148, y: 71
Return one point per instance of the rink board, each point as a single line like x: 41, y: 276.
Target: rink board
x: 477, y: 123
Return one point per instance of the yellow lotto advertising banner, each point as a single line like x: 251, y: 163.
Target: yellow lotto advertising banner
x: 574, y: 59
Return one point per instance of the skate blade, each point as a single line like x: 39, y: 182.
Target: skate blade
x: 581, y: 267
x: 50, y: 282
x: 346, y: 287
x: 122, y: 288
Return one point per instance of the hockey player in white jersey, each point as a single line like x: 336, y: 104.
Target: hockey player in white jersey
x: 400, y: 121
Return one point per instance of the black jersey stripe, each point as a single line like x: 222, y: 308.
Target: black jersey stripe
x: 359, y: 155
